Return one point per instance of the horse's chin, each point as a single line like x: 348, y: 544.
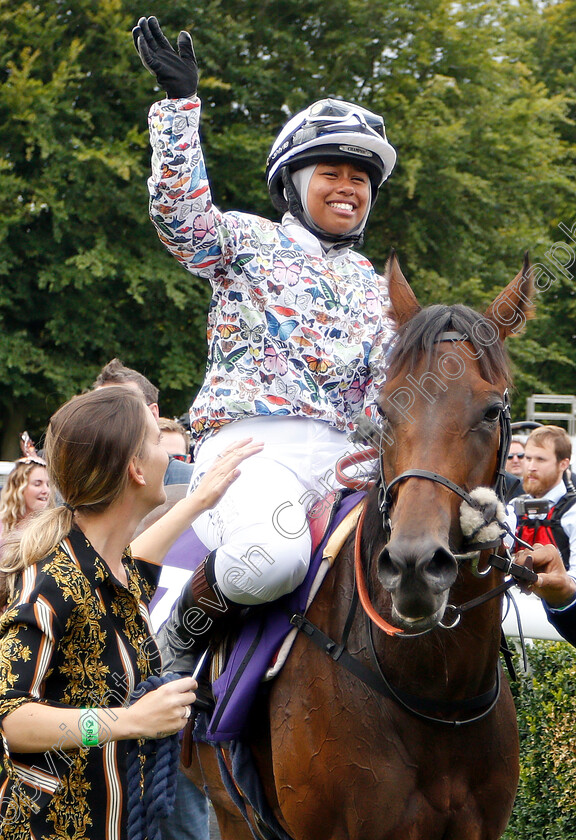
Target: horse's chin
x: 413, y: 626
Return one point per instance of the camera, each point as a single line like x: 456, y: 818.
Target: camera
x: 532, y: 508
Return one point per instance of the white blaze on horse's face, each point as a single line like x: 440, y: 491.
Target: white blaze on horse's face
x: 441, y: 410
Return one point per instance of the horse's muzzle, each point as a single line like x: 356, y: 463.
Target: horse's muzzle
x: 418, y: 575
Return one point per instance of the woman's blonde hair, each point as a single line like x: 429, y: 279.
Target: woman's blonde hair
x: 12, y: 504
x: 89, y: 445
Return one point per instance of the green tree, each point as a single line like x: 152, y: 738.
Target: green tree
x: 548, y: 355
x: 482, y: 169
x: 82, y: 275
x: 482, y: 172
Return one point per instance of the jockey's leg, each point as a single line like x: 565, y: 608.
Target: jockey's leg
x: 258, y: 532
x: 259, y: 562
x: 265, y: 548
x: 259, y: 528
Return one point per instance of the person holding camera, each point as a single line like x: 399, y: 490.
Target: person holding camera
x: 547, y: 513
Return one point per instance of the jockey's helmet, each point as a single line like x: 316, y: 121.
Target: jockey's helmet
x: 328, y: 130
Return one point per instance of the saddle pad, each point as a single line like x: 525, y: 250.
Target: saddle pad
x: 179, y: 564
x: 260, y: 638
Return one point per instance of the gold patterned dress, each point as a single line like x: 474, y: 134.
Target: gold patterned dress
x: 73, y: 637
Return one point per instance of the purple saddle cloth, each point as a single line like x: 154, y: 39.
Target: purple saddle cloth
x: 260, y: 636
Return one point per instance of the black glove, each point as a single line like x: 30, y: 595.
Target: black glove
x: 177, y: 72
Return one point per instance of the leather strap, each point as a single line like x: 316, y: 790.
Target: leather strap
x: 367, y: 606
x: 418, y: 706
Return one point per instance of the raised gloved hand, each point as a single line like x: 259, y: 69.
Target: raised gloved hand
x: 177, y: 72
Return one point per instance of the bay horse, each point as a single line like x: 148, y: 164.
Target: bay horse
x: 436, y: 756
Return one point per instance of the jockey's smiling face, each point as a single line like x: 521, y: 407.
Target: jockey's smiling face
x: 338, y: 197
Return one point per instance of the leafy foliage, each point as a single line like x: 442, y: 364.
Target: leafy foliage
x: 83, y: 279
x: 478, y: 99
x: 546, y: 709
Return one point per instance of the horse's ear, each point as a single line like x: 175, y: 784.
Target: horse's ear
x: 403, y: 303
x: 513, y: 306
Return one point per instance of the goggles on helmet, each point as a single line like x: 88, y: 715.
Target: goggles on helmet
x: 337, y: 109
x: 328, y: 117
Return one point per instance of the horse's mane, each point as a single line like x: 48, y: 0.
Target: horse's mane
x: 421, y: 333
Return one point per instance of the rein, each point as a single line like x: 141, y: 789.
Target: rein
x: 420, y: 707
x: 367, y: 606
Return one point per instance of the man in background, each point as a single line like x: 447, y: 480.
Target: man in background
x: 547, y: 456
x: 116, y: 373
x: 175, y: 439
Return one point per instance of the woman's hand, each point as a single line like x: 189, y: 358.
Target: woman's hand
x: 554, y: 584
x: 223, y: 472
x: 153, y: 543
x: 164, y: 711
x: 36, y: 727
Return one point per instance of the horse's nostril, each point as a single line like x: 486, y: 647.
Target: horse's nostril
x: 389, y: 569
x: 439, y: 569
x: 404, y: 565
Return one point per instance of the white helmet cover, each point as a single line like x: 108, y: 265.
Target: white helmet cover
x: 329, y: 129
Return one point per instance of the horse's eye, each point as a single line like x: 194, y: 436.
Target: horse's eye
x: 493, y: 413
x: 381, y: 412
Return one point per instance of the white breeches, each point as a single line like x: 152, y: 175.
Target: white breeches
x: 259, y: 528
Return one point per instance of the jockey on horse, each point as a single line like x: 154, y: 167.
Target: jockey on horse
x: 297, y: 330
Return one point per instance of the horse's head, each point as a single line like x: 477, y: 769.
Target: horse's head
x: 441, y: 410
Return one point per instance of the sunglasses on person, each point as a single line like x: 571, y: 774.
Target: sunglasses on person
x: 519, y: 455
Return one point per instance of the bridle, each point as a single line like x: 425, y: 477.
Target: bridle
x: 480, y: 706
x: 385, y: 494
x: 385, y: 503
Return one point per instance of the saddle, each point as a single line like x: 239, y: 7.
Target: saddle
x: 259, y: 652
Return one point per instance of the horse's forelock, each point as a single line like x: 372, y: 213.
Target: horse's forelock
x: 420, y: 336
